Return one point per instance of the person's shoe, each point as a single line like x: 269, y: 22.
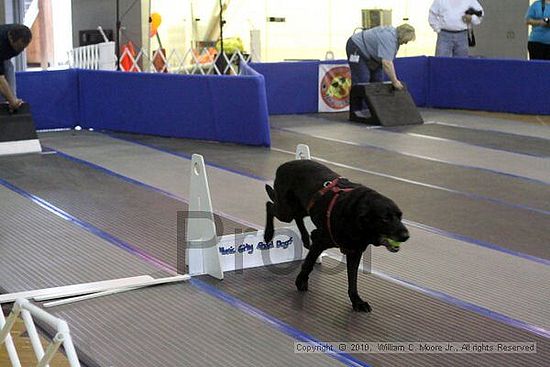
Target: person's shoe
x: 359, y: 116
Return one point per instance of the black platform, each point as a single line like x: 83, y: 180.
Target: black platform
x: 17, y: 131
x: 387, y: 106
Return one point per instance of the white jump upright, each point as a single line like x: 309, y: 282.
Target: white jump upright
x: 209, y: 254
x: 202, y: 252
x: 27, y: 311
x: 302, y: 152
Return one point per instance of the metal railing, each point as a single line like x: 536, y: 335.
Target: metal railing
x: 100, y: 56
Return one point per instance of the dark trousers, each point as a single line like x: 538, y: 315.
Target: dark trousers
x: 361, y: 73
x: 538, y: 51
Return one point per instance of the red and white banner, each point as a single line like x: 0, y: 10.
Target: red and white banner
x: 334, y: 87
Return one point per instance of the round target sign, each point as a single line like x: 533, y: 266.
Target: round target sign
x: 335, y: 87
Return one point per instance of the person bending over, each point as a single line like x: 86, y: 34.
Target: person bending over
x: 14, y: 38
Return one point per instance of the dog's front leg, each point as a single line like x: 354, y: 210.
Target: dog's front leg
x: 353, y: 259
x: 269, y: 227
x: 303, y: 231
x: 316, y: 249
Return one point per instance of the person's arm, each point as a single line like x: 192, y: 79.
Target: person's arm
x: 6, y: 91
x: 433, y: 17
x: 474, y: 19
x: 531, y: 20
x: 389, y: 69
x: 536, y: 22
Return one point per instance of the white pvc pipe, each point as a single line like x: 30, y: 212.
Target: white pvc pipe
x: 8, y: 341
x: 9, y: 322
x: 70, y: 351
x: 33, y: 334
x: 177, y: 278
x: 51, y: 320
x: 73, y: 290
x: 53, y: 347
x: 27, y: 311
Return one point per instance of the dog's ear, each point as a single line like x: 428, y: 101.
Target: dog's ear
x: 373, y: 214
x: 364, y: 215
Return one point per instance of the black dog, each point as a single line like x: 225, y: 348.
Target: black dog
x: 346, y: 215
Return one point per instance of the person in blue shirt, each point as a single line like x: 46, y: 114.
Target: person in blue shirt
x: 371, y: 53
x: 538, y: 16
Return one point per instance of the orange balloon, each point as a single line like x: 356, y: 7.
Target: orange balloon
x: 155, y: 19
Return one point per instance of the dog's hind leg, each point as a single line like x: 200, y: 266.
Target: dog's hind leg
x: 316, y: 249
x: 303, y: 231
x: 353, y: 259
x: 269, y: 228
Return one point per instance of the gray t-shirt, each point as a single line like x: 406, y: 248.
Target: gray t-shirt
x: 379, y: 43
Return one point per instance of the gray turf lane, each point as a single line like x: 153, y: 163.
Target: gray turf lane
x: 429, y: 259
x: 444, y: 210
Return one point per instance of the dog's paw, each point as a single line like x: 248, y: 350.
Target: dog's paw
x: 301, y: 283
x: 362, y: 307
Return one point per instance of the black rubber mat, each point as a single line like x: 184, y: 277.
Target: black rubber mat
x: 399, y: 314
x: 134, y: 214
x: 16, y: 126
x: 488, y: 139
x: 513, y: 227
x: 388, y: 106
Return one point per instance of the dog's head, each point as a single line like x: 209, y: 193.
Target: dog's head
x: 379, y: 219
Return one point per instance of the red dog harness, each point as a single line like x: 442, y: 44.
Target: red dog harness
x: 329, y: 186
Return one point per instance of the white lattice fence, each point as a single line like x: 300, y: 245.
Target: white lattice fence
x: 203, y: 62
x: 206, y: 61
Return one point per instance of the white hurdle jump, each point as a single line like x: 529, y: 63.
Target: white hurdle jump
x: 27, y: 311
x: 207, y: 253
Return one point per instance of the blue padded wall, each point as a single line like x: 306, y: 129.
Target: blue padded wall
x: 220, y: 108
x: 291, y: 86
x: 414, y: 71
x: 53, y: 96
x: 489, y: 84
x: 235, y: 108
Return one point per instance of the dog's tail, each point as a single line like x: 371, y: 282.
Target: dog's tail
x: 270, y: 192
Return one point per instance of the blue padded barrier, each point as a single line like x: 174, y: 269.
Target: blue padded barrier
x: 414, y: 71
x: 220, y: 108
x: 234, y: 108
x: 489, y: 84
x: 291, y: 86
x: 53, y: 96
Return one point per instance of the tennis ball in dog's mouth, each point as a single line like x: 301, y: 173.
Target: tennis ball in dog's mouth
x: 393, y: 243
x: 393, y: 246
